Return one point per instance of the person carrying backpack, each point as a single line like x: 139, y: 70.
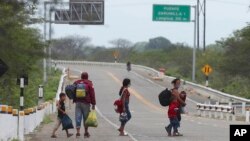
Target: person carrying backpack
x: 125, y: 116
x: 174, y: 109
x: 84, y: 97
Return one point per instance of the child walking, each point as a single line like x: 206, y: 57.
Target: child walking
x: 61, y: 113
x: 172, y: 115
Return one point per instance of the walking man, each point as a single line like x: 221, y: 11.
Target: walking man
x: 84, y: 98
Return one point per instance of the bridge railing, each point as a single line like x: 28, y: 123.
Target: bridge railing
x: 227, y: 112
x: 15, y: 124
x: 216, y: 111
x: 204, y: 90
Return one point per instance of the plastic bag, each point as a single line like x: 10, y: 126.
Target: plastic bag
x: 123, y: 117
x: 92, y: 119
x: 66, y: 122
x: 118, y: 106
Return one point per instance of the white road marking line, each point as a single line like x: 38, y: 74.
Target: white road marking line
x: 114, y: 125
x: 140, y: 76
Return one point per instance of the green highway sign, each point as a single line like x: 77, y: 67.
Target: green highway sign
x: 175, y: 13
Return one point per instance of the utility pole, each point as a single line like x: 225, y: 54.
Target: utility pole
x: 194, y: 47
x: 45, y: 48
x: 50, y: 34
x: 198, y: 24
x: 204, y: 26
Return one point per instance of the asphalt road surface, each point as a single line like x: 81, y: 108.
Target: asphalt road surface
x: 148, y: 117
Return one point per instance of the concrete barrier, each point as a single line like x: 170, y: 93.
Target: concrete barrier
x: 21, y: 126
x: 247, y: 116
x: 15, y: 124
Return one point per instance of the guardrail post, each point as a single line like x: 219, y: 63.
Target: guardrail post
x: 243, y: 108
x: 233, y: 117
x: 221, y: 115
x: 198, y: 112
x: 204, y: 112
x: 21, y: 126
x: 215, y: 112
x: 228, y: 116
x: 209, y: 114
x: 198, y: 109
x: 247, y: 116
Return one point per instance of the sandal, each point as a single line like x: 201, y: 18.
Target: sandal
x: 168, y: 131
x: 86, y: 135
x: 78, y: 134
x: 123, y: 134
x: 53, y: 136
x: 69, y: 135
x: 177, y: 134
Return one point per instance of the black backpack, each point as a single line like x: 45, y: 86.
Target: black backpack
x: 70, y: 91
x: 165, y: 97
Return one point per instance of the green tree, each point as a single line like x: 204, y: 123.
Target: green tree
x: 21, y: 48
x: 70, y: 48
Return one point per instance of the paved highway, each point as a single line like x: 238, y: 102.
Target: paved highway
x: 148, y: 117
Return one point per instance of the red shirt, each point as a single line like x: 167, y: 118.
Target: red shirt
x: 90, y: 97
x: 172, y: 113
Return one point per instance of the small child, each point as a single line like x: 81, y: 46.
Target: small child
x: 183, y: 96
x: 61, y: 113
x: 172, y: 115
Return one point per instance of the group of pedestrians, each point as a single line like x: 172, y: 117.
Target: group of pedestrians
x: 84, y: 99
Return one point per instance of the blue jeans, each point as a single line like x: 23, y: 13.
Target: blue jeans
x: 174, y: 123
x: 127, y: 112
x: 81, y: 113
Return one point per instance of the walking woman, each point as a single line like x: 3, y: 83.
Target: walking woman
x: 174, y: 109
x: 125, y: 95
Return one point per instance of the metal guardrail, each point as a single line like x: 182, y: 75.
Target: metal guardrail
x: 218, y: 108
x: 207, y: 89
x: 219, y: 111
x: 238, y: 104
x: 215, y: 111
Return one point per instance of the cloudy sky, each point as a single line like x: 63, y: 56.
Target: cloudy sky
x: 132, y: 20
